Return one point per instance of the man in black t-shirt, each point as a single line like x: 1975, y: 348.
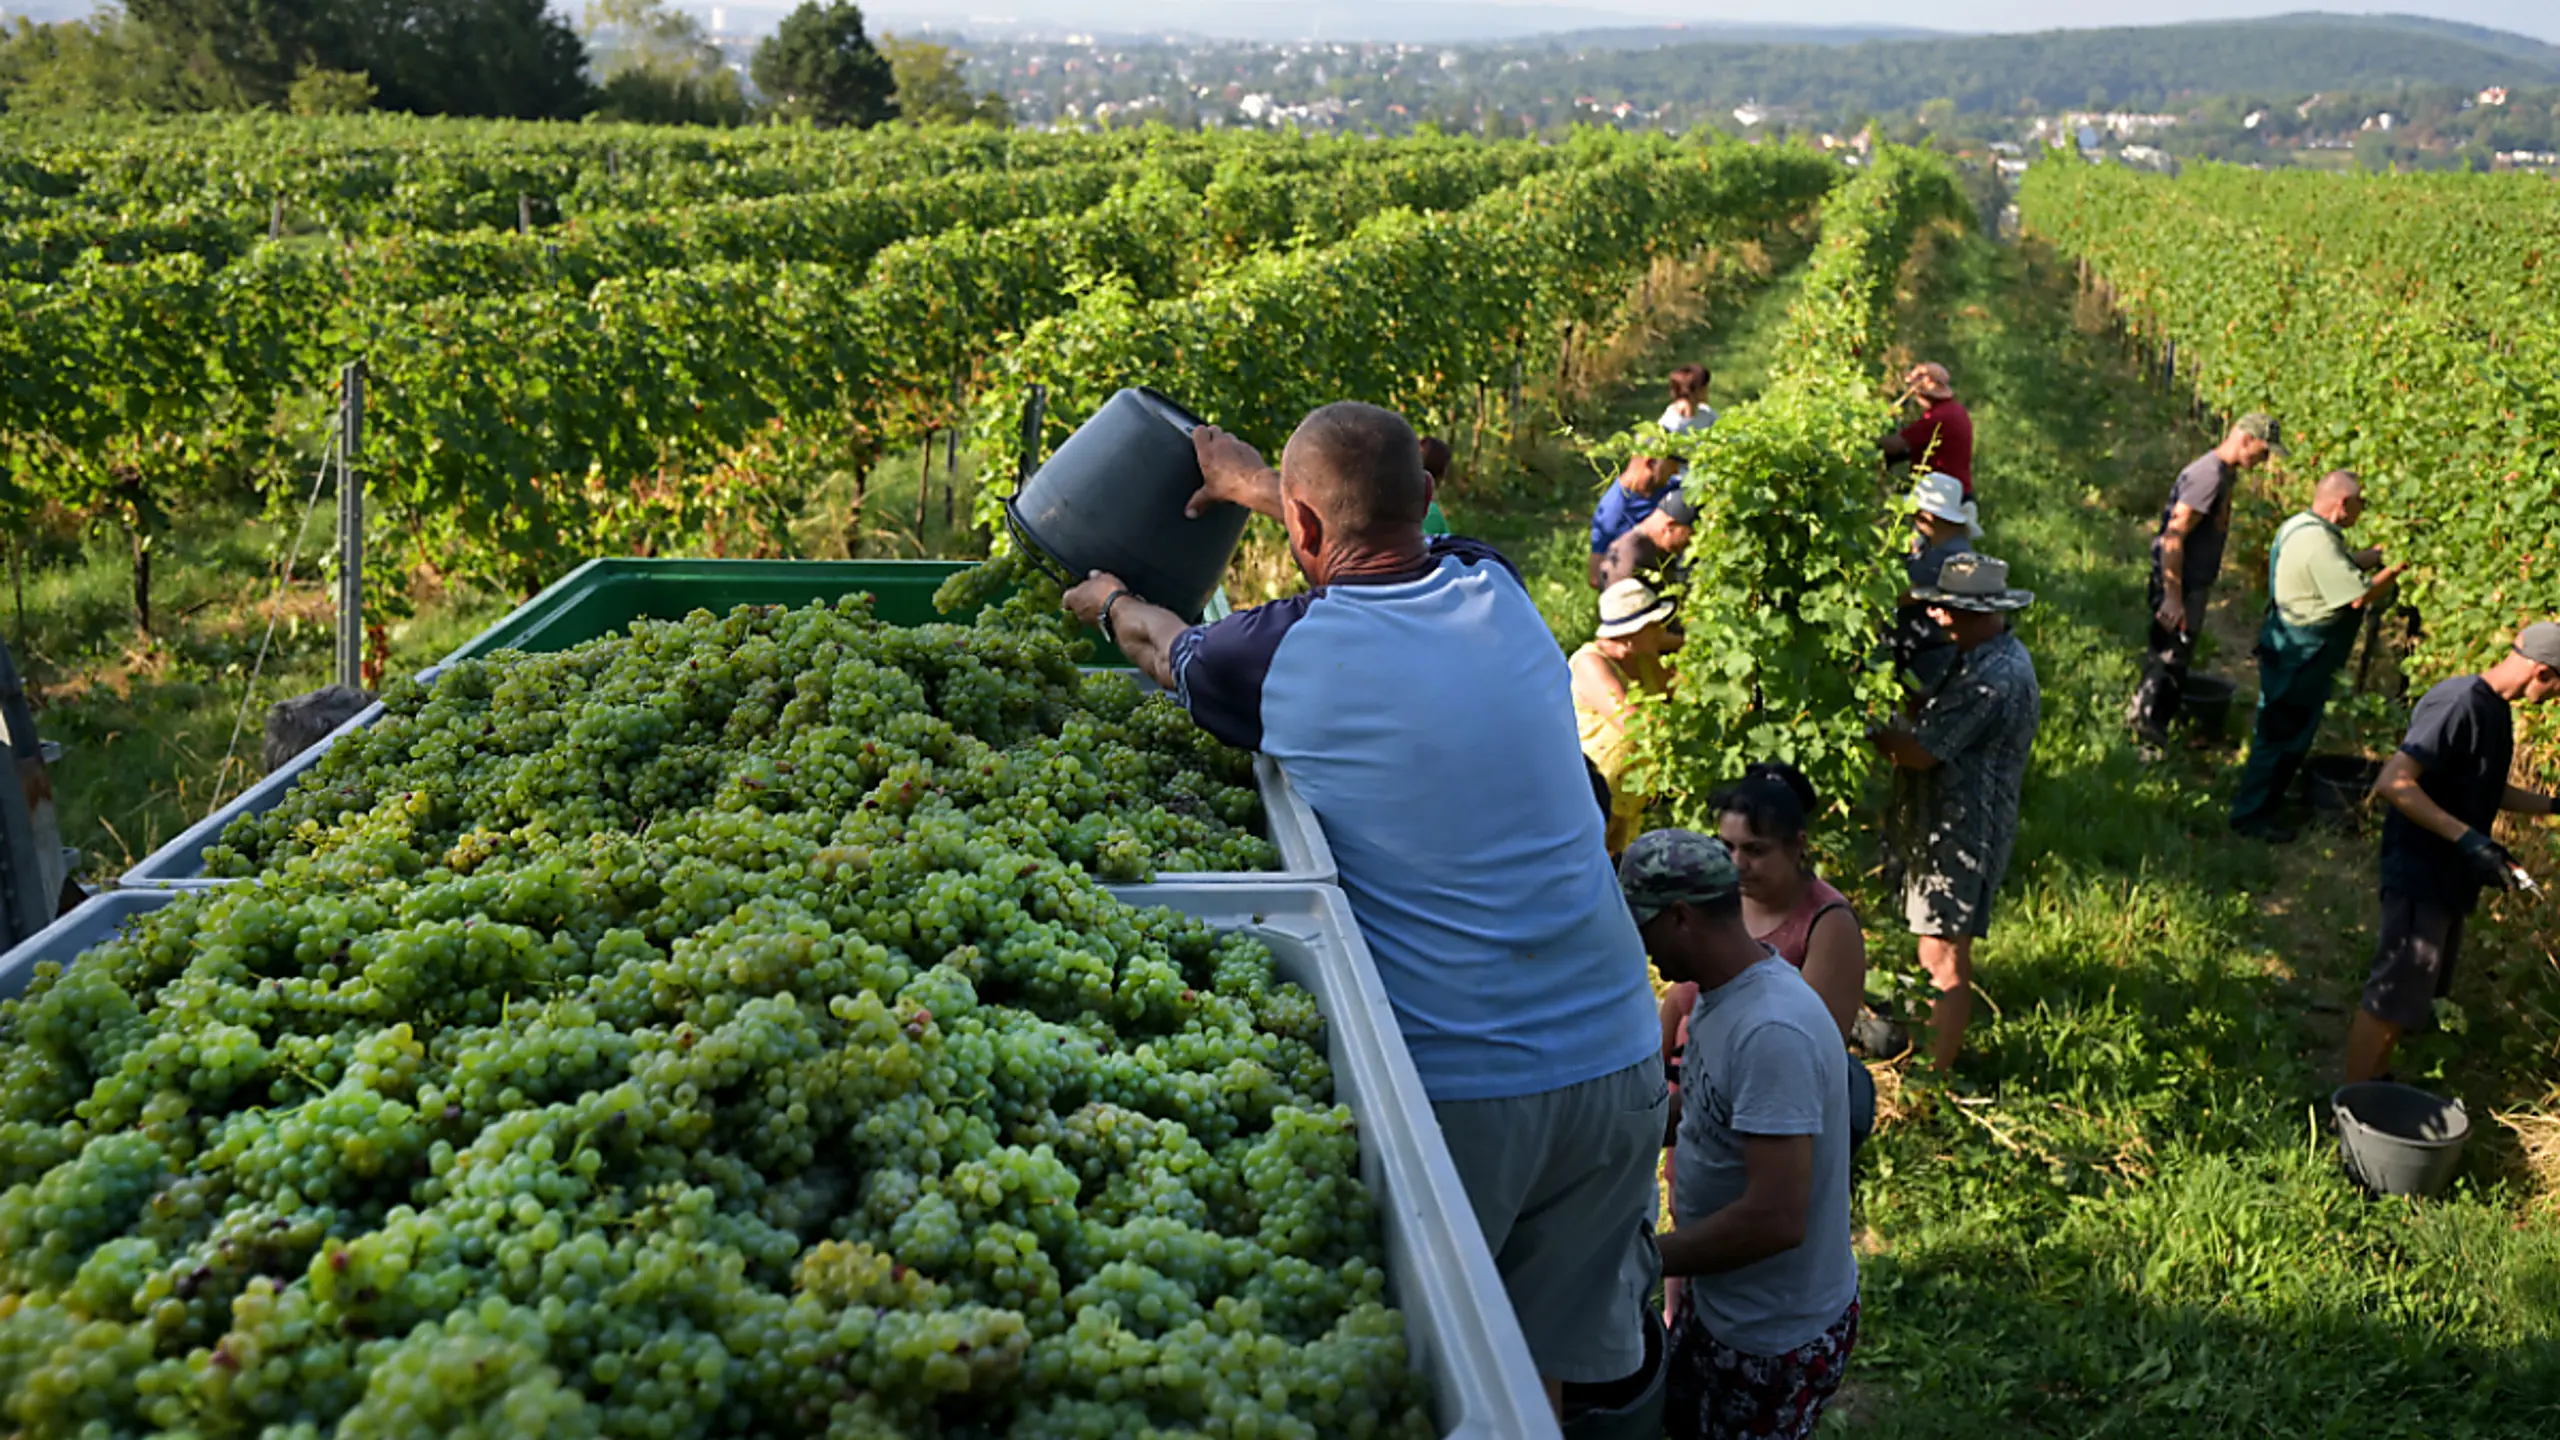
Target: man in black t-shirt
x: 2446, y: 784
x: 2186, y: 558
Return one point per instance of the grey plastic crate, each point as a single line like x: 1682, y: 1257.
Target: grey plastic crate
x: 1458, y: 1321
x: 96, y: 921
x: 1305, y: 858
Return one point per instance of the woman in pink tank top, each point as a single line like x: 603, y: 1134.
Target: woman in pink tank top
x: 1786, y: 906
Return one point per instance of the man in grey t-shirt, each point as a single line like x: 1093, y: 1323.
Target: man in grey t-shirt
x: 1769, y: 1316
x: 2186, y: 558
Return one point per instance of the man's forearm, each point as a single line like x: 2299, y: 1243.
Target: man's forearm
x: 2173, y: 567
x: 2412, y: 800
x: 1260, y: 493
x: 1904, y: 749
x: 1739, y: 1234
x: 2528, y: 802
x: 1146, y: 634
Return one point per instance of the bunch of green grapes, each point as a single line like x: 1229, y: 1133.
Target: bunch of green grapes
x: 756, y: 739
x: 715, y: 1128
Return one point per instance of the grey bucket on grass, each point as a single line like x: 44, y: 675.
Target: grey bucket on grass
x: 2398, y: 1139
x: 1112, y: 499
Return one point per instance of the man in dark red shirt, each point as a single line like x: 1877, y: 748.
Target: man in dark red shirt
x: 1942, y: 438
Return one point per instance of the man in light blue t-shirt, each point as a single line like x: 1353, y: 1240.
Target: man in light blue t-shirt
x: 1420, y: 705
x: 1769, y: 1315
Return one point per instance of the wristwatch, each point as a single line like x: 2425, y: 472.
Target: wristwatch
x: 1102, y: 622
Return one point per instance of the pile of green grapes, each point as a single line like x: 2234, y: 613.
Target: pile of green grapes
x: 823, y: 725
x: 720, y: 1127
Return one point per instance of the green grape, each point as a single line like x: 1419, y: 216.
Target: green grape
x: 786, y: 1111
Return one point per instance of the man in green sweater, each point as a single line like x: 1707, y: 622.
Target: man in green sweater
x: 2318, y: 592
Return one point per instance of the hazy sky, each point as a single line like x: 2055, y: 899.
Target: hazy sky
x: 2538, y: 18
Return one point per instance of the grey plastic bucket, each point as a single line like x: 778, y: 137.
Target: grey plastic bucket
x: 2206, y: 702
x: 1628, y: 1409
x: 1112, y: 499
x: 2398, y: 1139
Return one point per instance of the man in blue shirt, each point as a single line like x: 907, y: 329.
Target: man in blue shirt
x: 1419, y: 703
x: 1636, y: 492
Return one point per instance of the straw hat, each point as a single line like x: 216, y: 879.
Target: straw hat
x: 1974, y: 582
x: 1629, y: 606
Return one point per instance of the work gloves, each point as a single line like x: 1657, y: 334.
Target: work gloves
x: 2488, y: 859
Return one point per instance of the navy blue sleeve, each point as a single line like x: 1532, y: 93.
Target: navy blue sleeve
x: 1473, y: 552
x: 1218, y: 668
x: 2437, y: 724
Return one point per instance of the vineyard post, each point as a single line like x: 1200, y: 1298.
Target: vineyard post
x: 524, y: 213
x: 351, y: 525
x: 951, y: 457
x: 275, y: 218
x: 924, y: 489
x: 1035, y: 410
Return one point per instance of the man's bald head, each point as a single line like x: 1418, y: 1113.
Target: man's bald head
x: 1360, y: 468
x: 2338, y: 498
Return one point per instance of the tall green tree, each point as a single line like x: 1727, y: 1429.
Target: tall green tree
x: 108, y: 63
x: 934, y: 90
x: 656, y: 66
x: 433, y: 57
x: 511, y: 58
x: 236, y: 54
x: 820, y: 67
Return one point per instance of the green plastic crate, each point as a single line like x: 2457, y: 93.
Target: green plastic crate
x: 602, y: 597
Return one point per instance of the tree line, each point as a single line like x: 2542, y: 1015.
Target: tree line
x: 629, y: 60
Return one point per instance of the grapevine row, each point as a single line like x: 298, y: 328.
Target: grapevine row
x: 1412, y: 311
x: 2389, y: 340
x: 1791, y: 576
x: 534, y: 402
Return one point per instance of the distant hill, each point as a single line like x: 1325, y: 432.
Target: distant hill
x: 1719, y: 32
x: 2139, y: 68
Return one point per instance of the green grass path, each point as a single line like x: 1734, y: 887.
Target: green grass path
x: 2120, y: 1220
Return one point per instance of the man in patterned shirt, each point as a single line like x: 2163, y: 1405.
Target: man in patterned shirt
x: 1963, y: 756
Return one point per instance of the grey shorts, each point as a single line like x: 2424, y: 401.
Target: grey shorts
x: 1559, y: 1182
x: 2413, y: 962
x: 1947, y: 906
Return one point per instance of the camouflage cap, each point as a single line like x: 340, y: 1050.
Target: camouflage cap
x: 2259, y: 425
x: 1667, y: 867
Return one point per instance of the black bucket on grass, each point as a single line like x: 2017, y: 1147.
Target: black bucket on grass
x: 1112, y: 499
x: 2398, y: 1139
x: 2205, y: 701
x: 2338, y: 784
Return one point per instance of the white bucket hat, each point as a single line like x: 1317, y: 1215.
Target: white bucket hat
x: 1629, y: 606
x: 1942, y: 495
